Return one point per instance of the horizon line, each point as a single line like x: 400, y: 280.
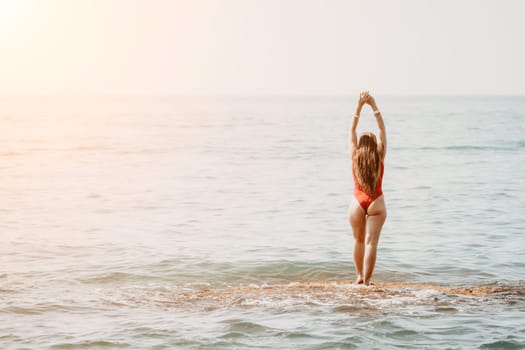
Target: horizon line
x: 290, y: 95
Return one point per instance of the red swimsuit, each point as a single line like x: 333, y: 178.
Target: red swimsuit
x: 363, y: 197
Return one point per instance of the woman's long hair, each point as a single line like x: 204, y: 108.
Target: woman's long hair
x: 366, y: 162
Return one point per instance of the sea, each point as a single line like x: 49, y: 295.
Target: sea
x: 160, y: 222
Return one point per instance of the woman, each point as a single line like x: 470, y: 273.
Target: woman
x: 367, y: 212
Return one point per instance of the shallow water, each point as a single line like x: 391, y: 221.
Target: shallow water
x: 221, y: 223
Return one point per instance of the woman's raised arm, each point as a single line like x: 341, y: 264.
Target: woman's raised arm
x: 363, y: 96
x: 381, y: 145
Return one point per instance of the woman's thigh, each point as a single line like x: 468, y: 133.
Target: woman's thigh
x: 357, y: 219
x: 376, y: 219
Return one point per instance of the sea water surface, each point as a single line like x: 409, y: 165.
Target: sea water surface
x: 221, y: 223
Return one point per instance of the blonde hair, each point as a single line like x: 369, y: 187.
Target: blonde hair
x: 366, y: 162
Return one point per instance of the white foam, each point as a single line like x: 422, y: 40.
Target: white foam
x: 425, y: 293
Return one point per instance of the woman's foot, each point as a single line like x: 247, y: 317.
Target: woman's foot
x: 359, y: 280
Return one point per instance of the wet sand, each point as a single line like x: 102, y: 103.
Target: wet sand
x: 331, y: 293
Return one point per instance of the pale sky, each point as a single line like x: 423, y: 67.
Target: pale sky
x: 261, y: 47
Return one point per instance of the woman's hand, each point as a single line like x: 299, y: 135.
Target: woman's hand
x: 363, y: 98
x: 371, y: 101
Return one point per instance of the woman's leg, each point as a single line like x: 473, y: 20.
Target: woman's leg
x: 374, y: 222
x: 357, y: 219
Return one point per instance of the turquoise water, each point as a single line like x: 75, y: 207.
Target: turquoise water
x: 197, y: 223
